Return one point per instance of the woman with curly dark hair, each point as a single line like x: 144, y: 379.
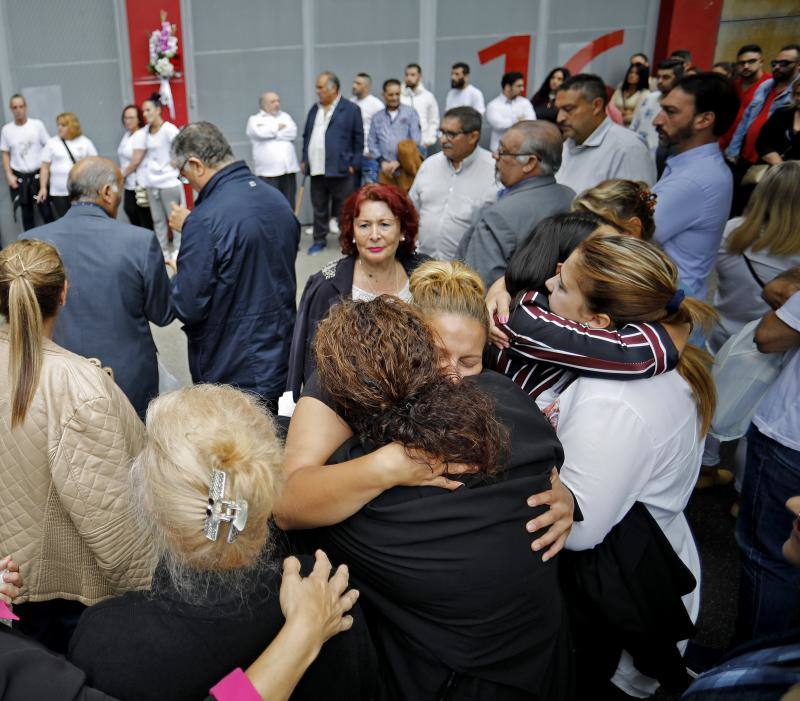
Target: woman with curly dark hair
x: 379, y: 225
x: 458, y: 606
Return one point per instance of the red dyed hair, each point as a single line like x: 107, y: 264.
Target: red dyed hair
x: 396, y: 199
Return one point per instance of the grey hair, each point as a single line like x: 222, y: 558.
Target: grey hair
x: 543, y: 139
x: 203, y: 141
x: 84, y: 183
x: 333, y: 80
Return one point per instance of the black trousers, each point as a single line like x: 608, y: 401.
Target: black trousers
x: 138, y: 216
x: 286, y: 183
x: 26, y: 190
x: 327, y: 195
x: 59, y: 205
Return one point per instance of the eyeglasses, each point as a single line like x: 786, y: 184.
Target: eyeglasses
x: 747, y: 62
x: 781, y: 64
x: 499, y: 153
x: 449, y: 135
x: 180, y: 168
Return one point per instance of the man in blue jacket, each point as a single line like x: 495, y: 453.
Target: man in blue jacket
x: 333, y: 141
x: 235, y: 284
x: 118, y: 284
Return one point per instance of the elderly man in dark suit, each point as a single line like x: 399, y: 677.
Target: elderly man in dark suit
x: 117, y: 281
x: 333, y: 141
x: 526, y: 160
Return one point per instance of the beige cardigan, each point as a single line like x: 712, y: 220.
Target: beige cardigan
x: 64, y: 509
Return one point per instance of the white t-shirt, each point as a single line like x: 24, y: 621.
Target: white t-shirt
x: 626, y: 442
x: 369, y: 106
x: 130, y: 143
x: 316, y: 142
x: 468, y: 96
x: 156, y: 170
x: 24, y: 143
x: 60, y: 162
x: 502, y: 114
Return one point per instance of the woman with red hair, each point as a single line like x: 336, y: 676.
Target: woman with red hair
x: 379, y: 225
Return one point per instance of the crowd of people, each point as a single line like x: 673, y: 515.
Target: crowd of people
x: 488, y: 415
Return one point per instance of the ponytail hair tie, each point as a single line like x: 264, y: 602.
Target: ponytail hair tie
x: 675, y: 302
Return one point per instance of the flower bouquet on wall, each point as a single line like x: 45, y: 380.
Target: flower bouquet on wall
x: 164, y: 48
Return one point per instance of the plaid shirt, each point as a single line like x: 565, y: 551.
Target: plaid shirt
x: 751, y: 675
x: 548, y: 351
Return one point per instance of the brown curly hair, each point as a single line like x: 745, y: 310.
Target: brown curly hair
x: 396, y: 199
x: 379, y: 362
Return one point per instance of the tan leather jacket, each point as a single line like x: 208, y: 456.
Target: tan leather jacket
x: 64, y: 509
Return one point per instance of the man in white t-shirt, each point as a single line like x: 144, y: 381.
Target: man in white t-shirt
x: 21, y: 142
x: 369, y: 106
x: 272, y: 131
x: 462, y: 93
x: 508, y: 108
x: 414, y: 94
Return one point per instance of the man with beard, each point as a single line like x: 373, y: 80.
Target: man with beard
x: 669, y: 72
x: 452, y: 186
x: 414, y: 94
x: 462, y: 93
x: 526, y: 159
x: 694, y: 194
x: 749, y: 75
x: 595, y: 148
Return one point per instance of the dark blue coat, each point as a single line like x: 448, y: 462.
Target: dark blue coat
x: 117, y: 284
x: 235, y: 287
x: 344, y: 138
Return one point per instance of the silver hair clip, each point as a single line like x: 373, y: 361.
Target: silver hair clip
x: 221, y: 510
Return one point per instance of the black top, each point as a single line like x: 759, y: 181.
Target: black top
x: 778, y: 135
x: 143, y: 646
x: 324, y: 289
x: 455, y: 597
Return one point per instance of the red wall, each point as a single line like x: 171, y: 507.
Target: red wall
x: 688, y: 24
x: 144, y: 16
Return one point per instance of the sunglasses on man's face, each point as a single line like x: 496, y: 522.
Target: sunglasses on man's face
x: 781, y: 64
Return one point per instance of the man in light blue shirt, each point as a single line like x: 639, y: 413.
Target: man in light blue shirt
x: 695, y: 191
x: 395, y: 138
x: 768, y: 584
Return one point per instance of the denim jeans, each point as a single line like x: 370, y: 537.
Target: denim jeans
x: 369, y: 170
x: 768, y: 585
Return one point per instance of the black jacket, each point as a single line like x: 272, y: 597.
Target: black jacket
x: 344, y: 138
x: 324, y: 289
x: 625, y: 594
x: 147, y: 647
x: 459, y: 605
x: 235, y: 287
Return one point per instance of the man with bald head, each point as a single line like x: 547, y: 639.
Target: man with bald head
x: 117, y: 281
x: 526, y: 160
x: 272, y: 131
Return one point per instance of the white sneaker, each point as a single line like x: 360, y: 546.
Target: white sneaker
x: 333, y: 226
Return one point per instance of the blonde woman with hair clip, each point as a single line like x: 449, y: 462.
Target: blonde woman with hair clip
x: 60, y: 153
x: 629, y: 444
x: 69, y: 435
x: 205, y: 486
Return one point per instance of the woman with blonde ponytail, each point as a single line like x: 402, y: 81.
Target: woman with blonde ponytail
x: 69, y: 436
x: 629, y: 443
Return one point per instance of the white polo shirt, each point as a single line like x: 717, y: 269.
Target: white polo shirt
x: 60, y: 162
x: 24, y: 142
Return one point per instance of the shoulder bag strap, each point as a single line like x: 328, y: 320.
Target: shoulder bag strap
x: 752, y: 271
x: 72, y: 158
